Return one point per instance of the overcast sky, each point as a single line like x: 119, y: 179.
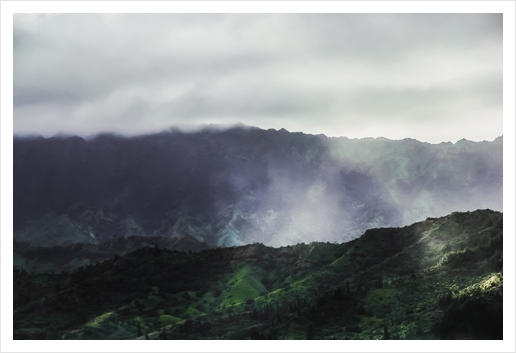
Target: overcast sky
x: 433, y: 77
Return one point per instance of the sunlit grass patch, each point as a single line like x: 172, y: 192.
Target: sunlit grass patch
x: 169, y: 320
x: 244, y: 285
x: 302, y: 284
x: 495, y: 280
x: 192, y: 312
x: 452, y: 259
x: 491, y: 282
x: 101, y: 320
x: 277, y: 293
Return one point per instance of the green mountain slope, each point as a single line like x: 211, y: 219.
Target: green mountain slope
x: 437, y: 279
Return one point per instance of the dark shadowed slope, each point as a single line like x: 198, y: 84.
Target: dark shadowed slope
x: 437, y: 279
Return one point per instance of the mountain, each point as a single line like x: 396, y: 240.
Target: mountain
x: 437, y: 279
x: 218, y: 188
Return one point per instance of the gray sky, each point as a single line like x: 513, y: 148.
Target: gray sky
x: 433, y: 77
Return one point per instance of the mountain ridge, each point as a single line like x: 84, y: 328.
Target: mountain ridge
x: 220, y: 128
x: 241, y: 186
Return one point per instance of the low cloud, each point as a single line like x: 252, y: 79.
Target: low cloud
x: 349, y: 75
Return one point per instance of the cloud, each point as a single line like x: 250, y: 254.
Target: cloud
x: 337, y: 74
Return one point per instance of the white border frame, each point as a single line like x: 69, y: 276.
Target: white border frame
x: 10, y: 7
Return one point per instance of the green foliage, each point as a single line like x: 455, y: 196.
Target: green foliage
x: 169, y: 319
x: 386, y: 335
x: 417, y: 282
x: 467, y: 318
x: 101, y: 320
x: 369, y: 324
x: 245, y: 285
x: 381, y: 297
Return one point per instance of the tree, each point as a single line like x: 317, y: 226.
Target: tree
x: 139, y: 329
x: 187, y: 327
x: 310, y: 332
x: 385, y: 333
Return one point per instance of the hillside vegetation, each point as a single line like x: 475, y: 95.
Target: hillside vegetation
x: 437, y: 279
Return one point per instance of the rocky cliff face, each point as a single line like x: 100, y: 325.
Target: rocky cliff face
x: 242, y: 185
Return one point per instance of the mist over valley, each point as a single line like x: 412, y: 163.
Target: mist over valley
x: 242, y: 185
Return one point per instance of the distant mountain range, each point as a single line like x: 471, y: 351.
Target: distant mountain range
x: 212, y: 188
